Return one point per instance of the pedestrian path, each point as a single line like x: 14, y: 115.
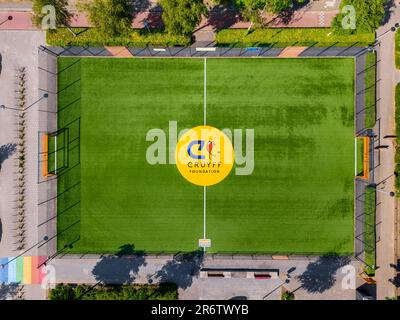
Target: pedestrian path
x: 291, y: 52
x: 22, y: 270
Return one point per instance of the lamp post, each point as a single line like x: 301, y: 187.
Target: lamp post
x: 392, y: 29
x: 66, y: 246
x: 286, y: 281
x: 45, y: 238
x: 391, y: 193
x: 9, y: 18
x: 44, y: 96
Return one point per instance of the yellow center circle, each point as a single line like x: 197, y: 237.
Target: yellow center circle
x: 204, y: 155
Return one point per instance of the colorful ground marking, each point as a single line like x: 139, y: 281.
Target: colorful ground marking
x: 23, y: 270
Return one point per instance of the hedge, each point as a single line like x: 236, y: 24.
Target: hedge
x: 284, y: 37
x: 90, y: 37
x: 370, y: 90
x: 370, y: 234
x: 397, y: 157
x: 398, y: 49
x: 164, y: 291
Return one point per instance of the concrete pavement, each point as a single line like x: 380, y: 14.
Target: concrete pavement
x: 319, y: 278
x: 19, y: 49
x: 315, y: 14
x: 384, y: 173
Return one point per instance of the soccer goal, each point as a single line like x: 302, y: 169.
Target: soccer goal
x: 54, y: 152
x: 362, y: 157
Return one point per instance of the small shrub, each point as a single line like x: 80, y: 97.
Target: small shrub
x: 135, y: 38
x: 287, y: 295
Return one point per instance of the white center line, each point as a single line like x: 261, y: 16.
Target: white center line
x: 205, y: 91
x: 204, y: 231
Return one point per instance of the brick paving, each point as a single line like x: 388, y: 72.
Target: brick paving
x: 291, y: 52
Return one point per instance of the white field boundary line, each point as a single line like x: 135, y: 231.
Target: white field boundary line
x: 205, y: 122
x: 205, y: 91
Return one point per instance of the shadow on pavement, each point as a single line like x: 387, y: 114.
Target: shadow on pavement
x: 6, y: 151
x: 8, y: 290
x: 388, y: 11
x: 181, y: 269
x: 320, y: 275
x: 120, y: 268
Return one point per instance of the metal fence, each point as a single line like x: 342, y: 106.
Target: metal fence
x: 190, y: 51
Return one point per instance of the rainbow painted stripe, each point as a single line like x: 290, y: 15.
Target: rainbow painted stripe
x: 23, y: 270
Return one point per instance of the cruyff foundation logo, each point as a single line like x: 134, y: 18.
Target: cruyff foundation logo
x: 163, y: 146
x: 200, y: 143
x: 204, y: 156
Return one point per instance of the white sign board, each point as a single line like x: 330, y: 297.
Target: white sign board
x: 204, y: 243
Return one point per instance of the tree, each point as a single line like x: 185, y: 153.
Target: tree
x: 62, y: 292
x: 277, y: 6
x: 287, y: 295
x: 111, y: 17
x: 369, y: 15
x: 181, y: 17
x: 252, y: 9
x: 63, y: 16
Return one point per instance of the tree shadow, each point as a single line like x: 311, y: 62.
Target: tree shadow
x: 396, y: 266
x: 137, y: 6
x: 388, y: 11
x: 223, y: 16
x: 396, y: 281
x: 8, y: 290
x: 6, y: 151
x: 154, y: 18
x: 120, y: 268
x: 181, y: 269
x: 287, y: 16
x: 321, y: 274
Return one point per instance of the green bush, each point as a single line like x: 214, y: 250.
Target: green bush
x: 164, y: 291
x: 90, y: 37
x: 369, y: 15
x: 284, y: 37
x: 370, y: 90
x: 398, y: 49
x: 370, y: 234
x: 287, y: 295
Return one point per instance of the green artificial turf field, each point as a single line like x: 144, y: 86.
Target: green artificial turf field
x: 299, y: 199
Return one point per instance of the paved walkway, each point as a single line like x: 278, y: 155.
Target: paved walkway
x: 316, y: 14
x: 316, y: 279
x: 386, y: 209
x: 291, y: 52
x: 18, y: 49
